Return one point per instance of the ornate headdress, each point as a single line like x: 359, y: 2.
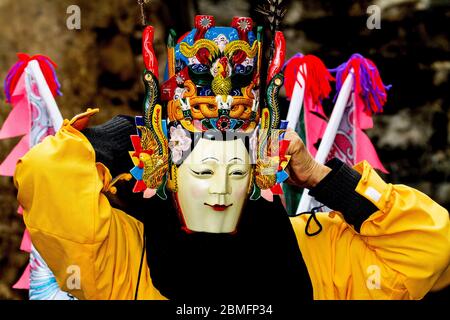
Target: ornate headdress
x: 213, y: 84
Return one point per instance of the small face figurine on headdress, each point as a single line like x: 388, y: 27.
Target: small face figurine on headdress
x: 203, y: 135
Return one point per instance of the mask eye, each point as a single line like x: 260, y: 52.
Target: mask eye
x: 238, y: 173
x: 203, y: 173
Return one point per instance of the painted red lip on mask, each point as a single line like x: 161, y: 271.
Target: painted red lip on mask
x: 218, y: 207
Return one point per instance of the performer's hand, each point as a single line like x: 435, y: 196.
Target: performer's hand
x: 303, y: 170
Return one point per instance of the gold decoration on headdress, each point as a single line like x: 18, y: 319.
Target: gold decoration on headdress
x: 236, y: 45
x: 202, y: 107
x: 252, y: 182
x: 172, y: 181
x: 221, y: 86
x: 190, y: 51
x: 156, y: 160
x: 155, y: 165
x: 171, y: 43
x: 266, y: 173
x: 266, y: 166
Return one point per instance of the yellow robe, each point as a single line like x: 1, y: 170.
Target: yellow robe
x: 401, y: 252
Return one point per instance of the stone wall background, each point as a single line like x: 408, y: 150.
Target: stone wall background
x: 100, y: 66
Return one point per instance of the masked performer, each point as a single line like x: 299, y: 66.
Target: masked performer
x: 194, y: 224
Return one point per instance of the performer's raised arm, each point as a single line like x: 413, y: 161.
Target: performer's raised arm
x: 383, y: 241
x: 92, y: 248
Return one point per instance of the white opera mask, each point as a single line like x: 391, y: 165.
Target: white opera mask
x: 213, y: 184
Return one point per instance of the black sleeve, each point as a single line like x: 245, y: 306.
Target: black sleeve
x: 112, y: 143
x: 337, y: 191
